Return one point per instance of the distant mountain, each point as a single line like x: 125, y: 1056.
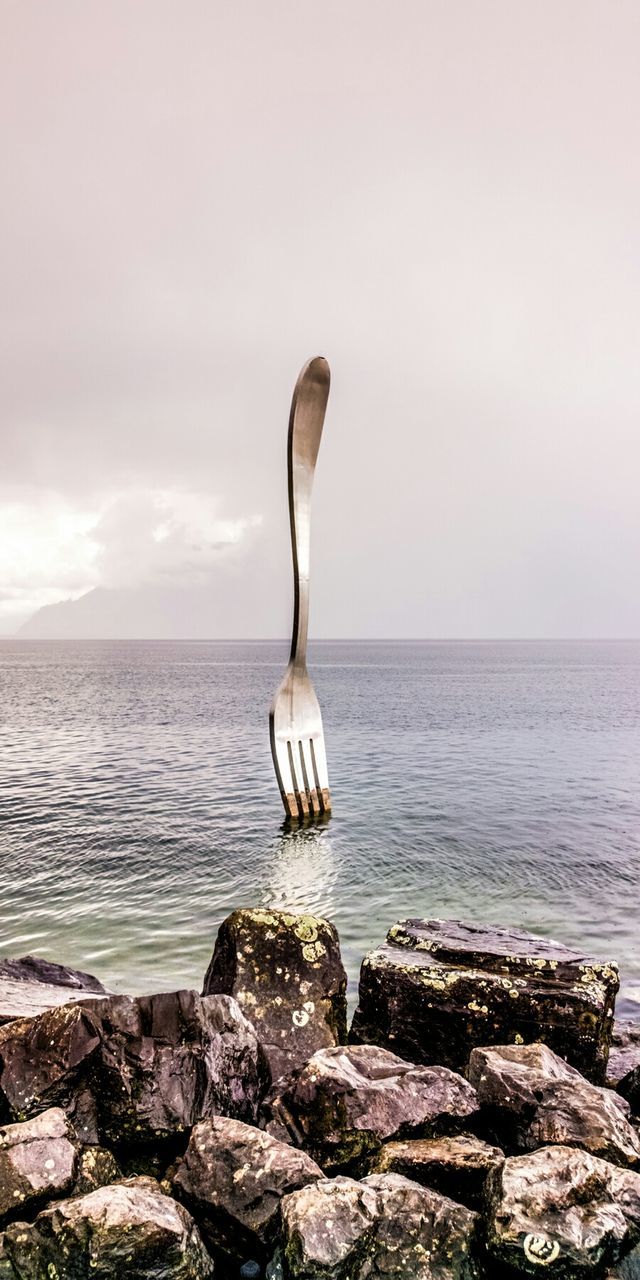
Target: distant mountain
x: 226, y: 608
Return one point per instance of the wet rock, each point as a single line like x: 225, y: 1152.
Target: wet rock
x: 134, y: 1070
x: 37, y: 1162
x: 166, y: 1061
x: 30, y: 986
x: 97, y: 1167
x: 44, y: 1062
x: 382, y: 1226
x: 130, y: 1229
x: 562, y: 1209
x: 345, y: 1102
x: 232, y: 1179
x: 35, y: 969
x: 458, y: 1167
x: 624, y: 1054
x: 437, y: 988
x: 286, y: 973
x: 531, y: 1097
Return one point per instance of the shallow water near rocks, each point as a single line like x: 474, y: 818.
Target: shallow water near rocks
x: 493, y: 781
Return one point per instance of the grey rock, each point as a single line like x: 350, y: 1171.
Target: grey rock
x: 286, y: 973
x: 29, y: 986
x: 629, y: 1088
x: 562, y: 1209
x: 438, y: 988
x: 134, y: 1070
x: 37, y: 1162
x: 530, y: 1097
x: 624, y: 1054
x: 384, y: 1226
x: 345, y: 1102
x: 627, y: 1269
x: 35, y: 969
x: 232, y: 1178
x: 130, y: 1229
x: 458, y: 1167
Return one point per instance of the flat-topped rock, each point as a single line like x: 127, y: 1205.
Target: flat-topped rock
x: 130, y: 1230
x: 345, y: 1102
x: 457, y: 1166
x: 437, y: 988
x: 384, y: 1226
x: 30, y: 986
x: 233, y: 1177
x: 286, y: 973
x: 562, y: 1213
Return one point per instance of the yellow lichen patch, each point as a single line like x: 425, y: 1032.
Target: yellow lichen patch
x: 517, y: 1039
x: 312, y: 951
x: 477, y: 1008
x: 305, y: 929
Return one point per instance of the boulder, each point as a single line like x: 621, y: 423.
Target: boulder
x: 345, y: 1102
x: 44, y: 1062
x: 130, y: 1229
x: 134, y: 1070
x: 383, y: 1226
x: 37, y: 1162
x: 286, y: 973
x: 31, y: 985
x: 563, y: 1210
x: 232, y: 1178
x: 530, y: 1097
x: 457, y: 1166
x: 624, y: 1054
x: 437, y: 988
x: 166, y: 1061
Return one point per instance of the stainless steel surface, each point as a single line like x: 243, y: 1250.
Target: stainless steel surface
x: 295, y: 722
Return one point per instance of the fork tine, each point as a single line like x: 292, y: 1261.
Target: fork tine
x: 300, y: 789
x: 309, y: 777
x: 283, y: 772
x: 320, y: 772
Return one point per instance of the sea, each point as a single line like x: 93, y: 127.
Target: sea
x: 492, y: 781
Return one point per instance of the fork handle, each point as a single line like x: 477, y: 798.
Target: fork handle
x: 305, y: 432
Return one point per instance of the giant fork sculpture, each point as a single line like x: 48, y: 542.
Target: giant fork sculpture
x: 295, y: 722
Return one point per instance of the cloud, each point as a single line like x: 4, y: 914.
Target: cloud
x: 52, y: 551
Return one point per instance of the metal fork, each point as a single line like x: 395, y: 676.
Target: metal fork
x: 295, y: 722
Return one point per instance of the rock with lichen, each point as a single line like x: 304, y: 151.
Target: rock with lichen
x: 563, y: 1210
x: 232, y: 1178
x: 37, y: 1162
x: 437, y: 988
x: 457, y: 1165
x: 530, y: 1097
x: 97, y: 1167
x: 346, y: 1101
x: 134, y: 1071
x: 130, y: 1229
x: 384, y: 1226
x: 287, y: 975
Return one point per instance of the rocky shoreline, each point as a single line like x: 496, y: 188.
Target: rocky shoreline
x: 477, y: 1120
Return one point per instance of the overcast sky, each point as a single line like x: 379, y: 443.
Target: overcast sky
x: 442, y: 197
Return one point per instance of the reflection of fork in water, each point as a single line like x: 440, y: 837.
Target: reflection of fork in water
x: 295, y: 722
x: 303, y: 872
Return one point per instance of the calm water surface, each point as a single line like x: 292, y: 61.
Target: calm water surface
x: 493, y: 781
